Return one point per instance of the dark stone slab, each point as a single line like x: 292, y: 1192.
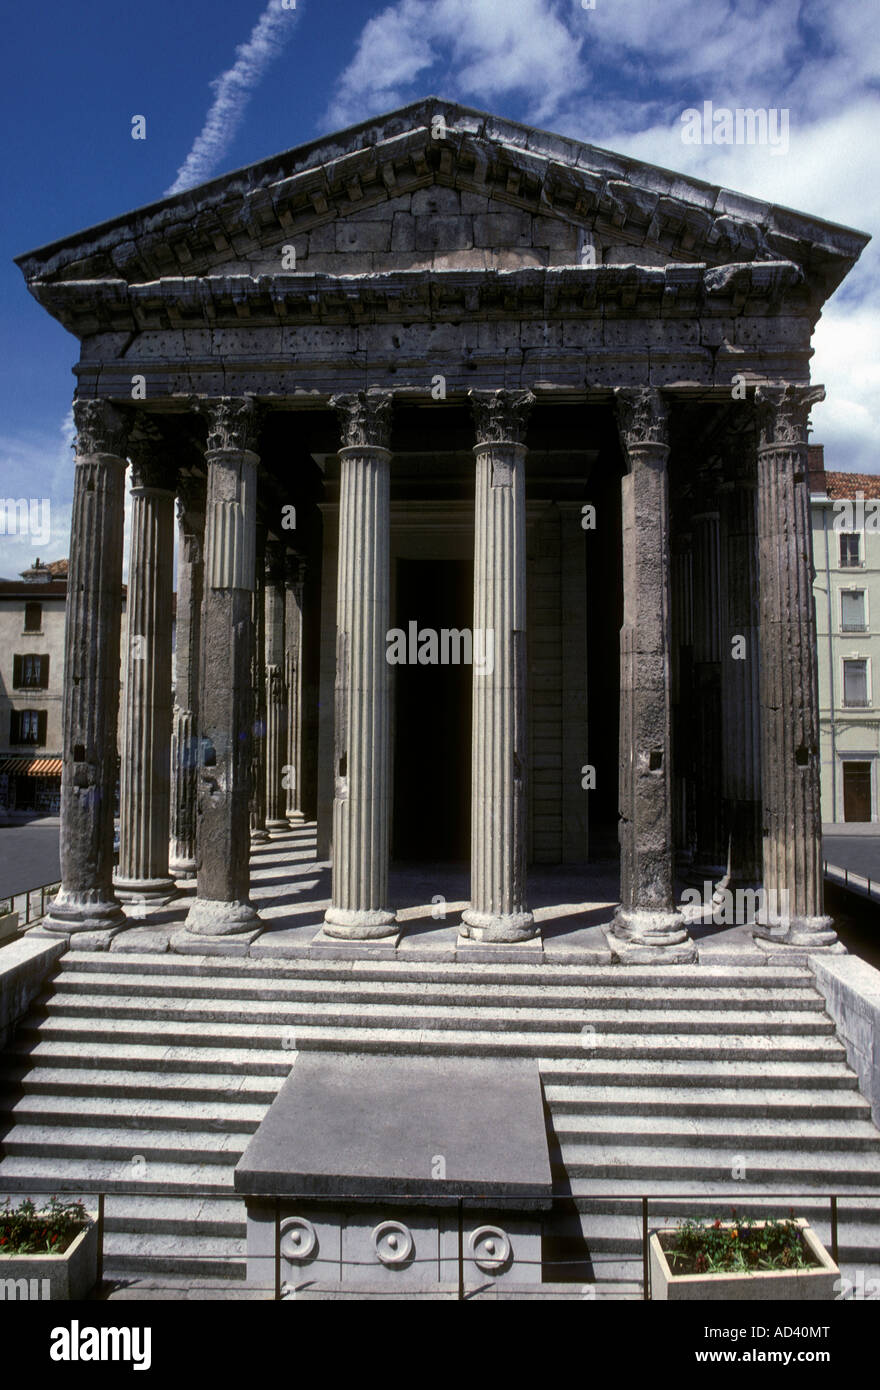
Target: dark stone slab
x: 425, y: 1130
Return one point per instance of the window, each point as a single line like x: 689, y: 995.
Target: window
x: 852, y: 610
x: 33, y: 617
x: 855, y: 682
x: 30, y: 672
x: 850, y: 550
x: 28, y: 726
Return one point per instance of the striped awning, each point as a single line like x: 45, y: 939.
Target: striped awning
x: 32, y: 767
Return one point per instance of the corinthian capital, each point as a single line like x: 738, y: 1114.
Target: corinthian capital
x: 364, y: 418
x: 501, y: 417
x: 101, y: 428
x: 642, y: 416
x: 233, y: 423
x: 782, y: 413
x: 151, y: 463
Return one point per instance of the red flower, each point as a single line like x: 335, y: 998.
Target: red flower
x: 718, y: 1225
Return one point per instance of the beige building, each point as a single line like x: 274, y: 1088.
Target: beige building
x: 31, y: 675
x: 845, y: 511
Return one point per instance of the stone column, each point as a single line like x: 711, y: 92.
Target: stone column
x: 276, y: 689
x: 498, y: 910
x: 184, y: 731
x: 145, y: 780
x: 361, y: 801
x: 294, y: 581
x: 222, y: 903
x: 647, y: 925
x: 86, y: 900
x: 259, y: 833
x: 710, y: 852
x: 740, y: 689
x: 681, y: 688
x: 793, y: 910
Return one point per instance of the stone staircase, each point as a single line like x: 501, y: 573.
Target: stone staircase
x: 152, y: 1071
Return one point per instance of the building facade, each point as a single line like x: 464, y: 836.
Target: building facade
x: 846, y: 552
x: 489, y: 456
x: 32, y: 610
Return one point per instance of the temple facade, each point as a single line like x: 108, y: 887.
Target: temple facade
x: 486, y: 453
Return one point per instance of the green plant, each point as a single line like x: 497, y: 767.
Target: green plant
x: 738, y: 1246
x: 28, y: 1230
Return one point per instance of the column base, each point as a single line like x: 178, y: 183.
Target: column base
x: 259, y: 837
x: 645, y: 937
x: 276, y: 828
x: 491, y: 926
x: 295, y: 818
x: 182, y: 866
x: 153, y: 891
x: 813, y: 932
x: 208, y: 917
x: 78, y: 912
x: 359, y: 924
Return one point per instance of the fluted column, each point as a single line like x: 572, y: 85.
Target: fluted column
x: 293, y: 639
x: 259, y: 833
x: 740, y: 688
x: 792, y: 821
x: 276, y: 689
x: 86, y: 900
x: 145, y: 779
x: 184, y: 729
x: 498, y: 910
x: 361, y: 802
x: 222, y: 903
x: 647, y: 923
x: 710, y: 853
x: 681, y: 678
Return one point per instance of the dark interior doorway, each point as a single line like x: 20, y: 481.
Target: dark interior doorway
x: 857, y: 791
x: 432, y: 718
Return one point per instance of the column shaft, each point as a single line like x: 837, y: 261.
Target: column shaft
x: 498, y: 910
x: 792, y: 821
x: 293, y: 640
x: 259, y: 833
x: 145, y: 782
x: 184, y: 733
x: 276, y: 690
x: 361, y: 801
x: 647, y: 917
x: 86, y: 900
x: 222, y: 903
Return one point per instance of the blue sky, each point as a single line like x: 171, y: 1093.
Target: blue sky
x: 617, y: 75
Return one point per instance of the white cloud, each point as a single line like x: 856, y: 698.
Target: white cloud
x: 232, y: 92
x: 37, y: 467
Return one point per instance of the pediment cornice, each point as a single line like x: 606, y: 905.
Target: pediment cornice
x: 618, y: 200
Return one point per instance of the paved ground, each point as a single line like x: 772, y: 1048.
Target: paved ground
x: 853, y: 847
x: 28, y: 855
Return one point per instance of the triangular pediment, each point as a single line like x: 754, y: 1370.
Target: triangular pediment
x: 436, y: 185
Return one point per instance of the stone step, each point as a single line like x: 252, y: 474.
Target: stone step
x: 547, y: 1046
x: 194, y: 1256
x: 619, y: 1234
x: 713, y: 1197
x: 135, y: 1113
x: 650, y: 1166
x: 161, y: 1145
x: 31, y: 1173
x: 187, y: 1216
x: 144, y: 1085
x: 731, y: 1073
x: 564, y: 1020
x: 596, y: 1102
x: 579, y: 1139
x: 32, y: 1046
x: 459, y: 972
x: 531, y: 994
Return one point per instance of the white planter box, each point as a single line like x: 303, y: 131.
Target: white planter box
x: 65, y: 1277
x: 789, y: 1284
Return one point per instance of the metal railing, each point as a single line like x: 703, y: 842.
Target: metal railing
x: 30, y: 904
x: 769, y: 1202
x: 856, y: 883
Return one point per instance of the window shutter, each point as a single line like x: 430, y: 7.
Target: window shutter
x: 44, y: 672
x: 16, y: 671
x: 42, y: 719
x: 14, y: 735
